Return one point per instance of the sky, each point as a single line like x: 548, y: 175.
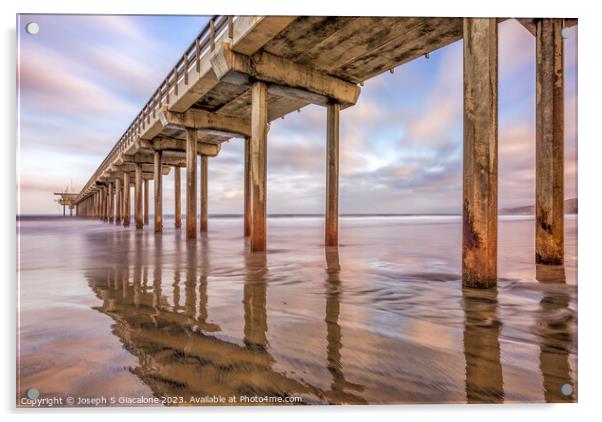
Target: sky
x: 82, y: 80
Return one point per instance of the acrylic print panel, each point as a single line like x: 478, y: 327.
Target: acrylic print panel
x: 414, y: 247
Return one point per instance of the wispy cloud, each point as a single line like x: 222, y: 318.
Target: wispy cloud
x: 83, y: 78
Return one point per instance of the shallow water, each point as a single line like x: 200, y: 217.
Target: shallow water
x: 114, y: 313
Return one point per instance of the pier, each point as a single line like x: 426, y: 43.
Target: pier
x: 243, y: 72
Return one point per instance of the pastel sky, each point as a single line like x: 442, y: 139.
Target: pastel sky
x: 82, y: 79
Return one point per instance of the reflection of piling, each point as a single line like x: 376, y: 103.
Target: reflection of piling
x: 554, y: 333
x: 255, y: 302
x: 334, y: 336
x: 484, y: 380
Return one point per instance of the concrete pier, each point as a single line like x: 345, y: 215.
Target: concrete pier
x: 191, y: 153
x: 138, y: 197
x: 158, y: 176
x: 177, y: 198
x: 332, y: 175
x: 146, y: 202
x: 258, y: 164
x: 549, y: 156
x: 118, y: 200
x: 241, y: 73
x: 479, y: 221
x: 204, y: 193
x: 247, y: 187
x: 126, y: 199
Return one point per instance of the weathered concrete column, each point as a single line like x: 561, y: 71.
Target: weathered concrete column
x: 204, y: 193
x: 258, y: 152
x: 64, y: 211
x: 111, y: 215
x: 332, y: 175
x: 178, y: 198
x: 118, y: 200
x: 191, y: 148
x: 158, y: 192
x: 549, y: 147
x: 146, y: 203
x: 104, y: 204
x: 138, y: 196
x: 479, y: 240
x: 126, y: 198
x: 247, y: 188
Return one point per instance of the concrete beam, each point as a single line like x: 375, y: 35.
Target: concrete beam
x: 528, y: 23
x: 201, y: 119
x: 233, y: 67
x: 176, y: 145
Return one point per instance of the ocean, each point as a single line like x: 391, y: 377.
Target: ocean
x: 142, y: 319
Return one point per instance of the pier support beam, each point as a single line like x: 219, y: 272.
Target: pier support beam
x: 158, y: 192
x: 258, y: 153
x: 126, y: 198
x: 204, y: 193
x: 138, y: 196
x: 247, y: 188
x: 146, y: 202
x: 332, y: 175
x: 479, y: 224
x: 118, y: 200
x: 549, y: 155
x: 191, y: 147
x: 178, y: 198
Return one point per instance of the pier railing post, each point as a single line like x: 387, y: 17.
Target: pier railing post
x: 332, y: 175
x: 549, y: 155
x: 158, y: 191
x: 258, y: 153
x: 247, y: 188
x: 479, y: 240
x: 138, y: 196
x: 191, y: 153
x: 126, y: 198
x: 146, y: 202
x: 178, y: 198
x: 118, y: 200
x: 204, y: 193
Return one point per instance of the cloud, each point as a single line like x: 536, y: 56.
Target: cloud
x: 83, y: 81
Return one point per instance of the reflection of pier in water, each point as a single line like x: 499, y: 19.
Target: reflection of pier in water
x: 554, y: 335
x: 177, y: 353
x: 158, y: 295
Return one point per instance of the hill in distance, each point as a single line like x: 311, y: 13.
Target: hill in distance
x: 570, y: 207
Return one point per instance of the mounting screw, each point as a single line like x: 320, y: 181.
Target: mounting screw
x: 564, y: 33
x: 32, y: 28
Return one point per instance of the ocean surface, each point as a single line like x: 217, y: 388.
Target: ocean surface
x: 113, y: 316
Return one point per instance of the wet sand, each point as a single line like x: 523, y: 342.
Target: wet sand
x: 111, y: 312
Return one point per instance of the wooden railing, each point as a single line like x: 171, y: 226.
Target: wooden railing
x: 191, y: 59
